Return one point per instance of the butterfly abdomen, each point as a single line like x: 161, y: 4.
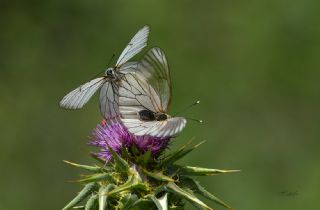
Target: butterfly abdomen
x: 146, y: 115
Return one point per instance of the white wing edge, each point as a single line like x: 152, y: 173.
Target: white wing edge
x: 77, y: 98
x: 136, y: 44
x: 162, y: 129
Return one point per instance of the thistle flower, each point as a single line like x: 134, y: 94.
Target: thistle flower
x: 136, y: 174
x: 116, y: 136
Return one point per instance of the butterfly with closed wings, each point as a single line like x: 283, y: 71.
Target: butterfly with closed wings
x: 109, y: 83
x: 144, y: 97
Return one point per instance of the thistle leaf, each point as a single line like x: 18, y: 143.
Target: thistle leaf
x: 85, y: 192
x: 144, y: 159
x: 161, y: 203
x: 135, y: 151
x: 143, y: 204
x: 197, y: 171
x: 173, y: 156
x: 197, y: 188
x: 124, y: 152
x: 92, y: 203
x: 102, y: 198
x: 103, y: 195
x: 180, y: 154
x: 131, y: 184
x: 173, y: 188
x: 120, y: 164
x: 94, y: 169
x: 96, y: 157
x: 158, y: 175
x: 99, y: 177
x: 128, y: 201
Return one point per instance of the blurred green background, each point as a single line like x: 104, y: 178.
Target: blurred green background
x: 253, y: 64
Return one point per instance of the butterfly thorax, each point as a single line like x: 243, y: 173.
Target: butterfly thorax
x: 147, y: 115
x: 161, y: 116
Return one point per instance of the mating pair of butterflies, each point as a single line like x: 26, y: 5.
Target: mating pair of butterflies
x: 138, y: 93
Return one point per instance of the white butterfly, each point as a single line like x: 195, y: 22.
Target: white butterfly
x: 77, y: 98
x: 144, y: 96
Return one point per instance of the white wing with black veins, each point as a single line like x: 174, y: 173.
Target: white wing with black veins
x: 109, y: 100
x: 148, y: 88
x: 137, y: 43
x: 77, y: 98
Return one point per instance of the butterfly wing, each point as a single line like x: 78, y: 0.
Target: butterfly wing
x: 148, y: 88
x: 167, y: 128
x: 136, y: 95
x: 109, y: 100
x: 137, y: 43
x: 77, y: 98
x: 109, y: 94
x: 128, y: 67
x: 155, y: 69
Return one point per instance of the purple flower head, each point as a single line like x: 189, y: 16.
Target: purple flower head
x: 115, y: 134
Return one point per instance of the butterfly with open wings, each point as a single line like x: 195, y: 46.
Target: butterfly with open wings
x: 109, y: 83
x: 144, y: 97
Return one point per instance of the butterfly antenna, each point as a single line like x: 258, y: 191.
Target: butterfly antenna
x: 112, y: 57
x: 110, y: 60
x: 196, y: 120
x: 188, y: 107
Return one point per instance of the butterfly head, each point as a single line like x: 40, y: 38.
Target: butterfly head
x: 111, y: 73
x: 161, y: 116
